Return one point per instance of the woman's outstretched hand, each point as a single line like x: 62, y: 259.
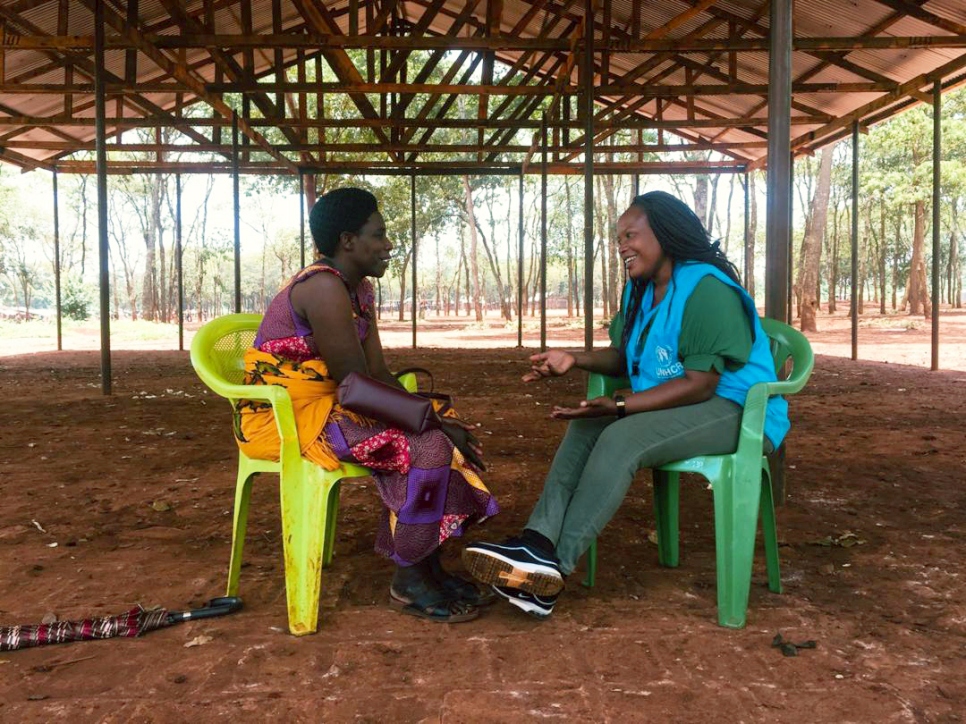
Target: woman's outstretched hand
x: 460, y: 434
x: 552, y: 363
x: 597, y: 407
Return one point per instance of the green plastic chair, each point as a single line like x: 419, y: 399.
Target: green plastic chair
x: 309, y: 494
x: 741, y: 483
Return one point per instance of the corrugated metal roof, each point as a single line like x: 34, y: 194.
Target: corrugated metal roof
x: 703, y: 113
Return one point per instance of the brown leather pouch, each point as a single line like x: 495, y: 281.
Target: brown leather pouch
x: 395, y: 407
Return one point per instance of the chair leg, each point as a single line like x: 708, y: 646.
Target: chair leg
x: 591, y: 578
x: 769, y: 533
x: 331, y: 517
x: 304, y: 510
x: 243, y: 492
x: 735, y: 525
x: 667, y: 488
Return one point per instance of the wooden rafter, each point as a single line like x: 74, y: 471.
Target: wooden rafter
x: 191, y: 83
x: 320, y: 20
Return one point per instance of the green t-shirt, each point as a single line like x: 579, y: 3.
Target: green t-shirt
x: 715, y: 331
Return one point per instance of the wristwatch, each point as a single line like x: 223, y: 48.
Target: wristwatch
x: 621, y: 406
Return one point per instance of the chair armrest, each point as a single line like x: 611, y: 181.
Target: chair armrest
x: 281, y: 403
x: 599, y: 385
x: 278, y: 397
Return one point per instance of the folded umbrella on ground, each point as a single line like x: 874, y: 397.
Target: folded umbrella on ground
x: 135, y: 622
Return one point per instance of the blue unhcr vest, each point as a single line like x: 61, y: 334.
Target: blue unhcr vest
x: 655, y: 359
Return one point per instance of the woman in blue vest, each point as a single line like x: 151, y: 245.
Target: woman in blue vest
x: 689, y: 339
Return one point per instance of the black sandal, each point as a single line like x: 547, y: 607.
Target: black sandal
x: 461, y: 589
x: 432, y: 604
x: 467, y: 591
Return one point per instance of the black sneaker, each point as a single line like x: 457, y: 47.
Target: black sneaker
x: 537, y: 606
x: 513, y: 564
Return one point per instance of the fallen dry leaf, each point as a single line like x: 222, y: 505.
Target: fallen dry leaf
x: 198, y: 641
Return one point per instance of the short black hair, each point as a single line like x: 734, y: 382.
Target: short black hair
x: 345, y: 209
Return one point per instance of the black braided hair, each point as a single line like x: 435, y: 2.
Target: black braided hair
x: 682, y: 237
x: 345, y: 209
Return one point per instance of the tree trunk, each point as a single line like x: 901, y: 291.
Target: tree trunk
x: 402, y: 283
x: 713, y: 206
x: 439, y: 277
x: 895, y: 269
x: 916, y: 288
x: 474, y: 263
x: 495, y: 268
x: 162, y: 286
x: 750, y: 236
x: 727, y: 228
x: 833, y: 261
x: 571, y: 272
x: 613, y: 255
x: 602, y: 254
x: 955, y: 278
x: 812, y: 245
x: 701, y: 198
x: 456, y: 282
x: 467, y: 288
x: 883, y: 251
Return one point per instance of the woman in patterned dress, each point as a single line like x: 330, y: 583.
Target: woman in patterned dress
x: 317, y: 330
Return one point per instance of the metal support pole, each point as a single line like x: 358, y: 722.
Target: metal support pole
x: 237, y: 209
x: 179, y: 258
x: 100, y: 144
x: 854, y: 301
x: 412, y: 231
x: 301, y: 220
x: 937, y: 142
x: 588, y: 99
x: 60, y: 330
x: 520, y: 267
x: 543, y: 234
x: 779, y: 208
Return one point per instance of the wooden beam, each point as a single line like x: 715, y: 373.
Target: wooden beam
x: 407, y: 43
x: 858, y: 114
x: 448, y: 168
x: 190, y: 82
x: 377, y: 123
x: 83, y: 64
x: 320, y: 20
x: 914, y: 10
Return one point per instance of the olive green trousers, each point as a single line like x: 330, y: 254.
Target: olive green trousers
x: 598, y: 457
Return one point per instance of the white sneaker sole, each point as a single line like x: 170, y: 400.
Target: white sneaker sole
x: 528, y: 607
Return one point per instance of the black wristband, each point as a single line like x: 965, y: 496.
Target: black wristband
x: 621, y: 406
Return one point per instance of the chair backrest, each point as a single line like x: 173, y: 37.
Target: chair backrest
x: 789, y: 345
x: 218, y: 350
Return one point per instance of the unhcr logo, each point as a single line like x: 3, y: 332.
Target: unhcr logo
x: 667, y: 365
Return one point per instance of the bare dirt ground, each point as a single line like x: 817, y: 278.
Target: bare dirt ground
x: 111, y: 501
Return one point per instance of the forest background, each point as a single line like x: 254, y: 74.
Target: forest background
x: 467, y: 233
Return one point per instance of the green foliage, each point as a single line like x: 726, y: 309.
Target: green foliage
x: 76, y: 299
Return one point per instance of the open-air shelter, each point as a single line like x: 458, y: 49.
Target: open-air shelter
x: 233, y: 83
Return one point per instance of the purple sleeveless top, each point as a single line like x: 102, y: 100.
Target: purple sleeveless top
x: 286, y: 334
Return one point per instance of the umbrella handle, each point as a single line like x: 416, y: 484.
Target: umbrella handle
x: 220, y: 606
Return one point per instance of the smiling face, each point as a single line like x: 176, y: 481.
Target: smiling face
x: 369, y: 249
x: 640, y: 250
